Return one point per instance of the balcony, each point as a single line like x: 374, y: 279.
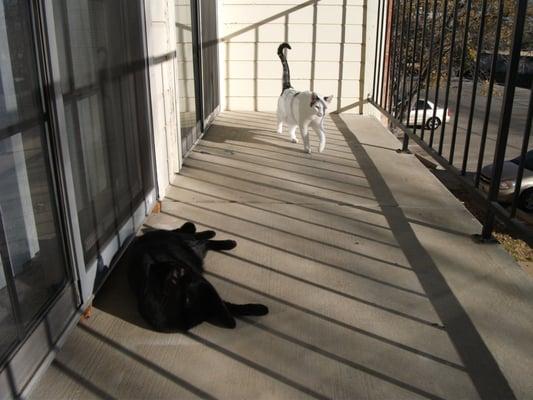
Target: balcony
x: 365, y: 260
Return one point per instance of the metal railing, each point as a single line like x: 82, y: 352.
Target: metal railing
x: 428, y: 60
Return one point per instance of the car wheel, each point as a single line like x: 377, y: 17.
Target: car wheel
x: 525, y: 201
x: 433, y: 123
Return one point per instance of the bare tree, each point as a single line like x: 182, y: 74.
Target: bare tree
x: 437, y: 40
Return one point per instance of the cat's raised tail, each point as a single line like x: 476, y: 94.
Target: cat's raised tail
x: 286, y: 73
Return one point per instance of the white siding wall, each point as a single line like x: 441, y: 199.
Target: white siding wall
x: 185, y: 58
x: 161, y: 31
x: 327, y: 56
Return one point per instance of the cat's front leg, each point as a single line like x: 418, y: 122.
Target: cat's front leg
x: 292, y: 132
x: 305, y: 137
x: 321, y: 135
x: 280, y: 121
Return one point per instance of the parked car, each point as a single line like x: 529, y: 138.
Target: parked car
x: 508, y: 182
x: 416, y: 115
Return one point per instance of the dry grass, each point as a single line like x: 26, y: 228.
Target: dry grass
x: 517, y: 248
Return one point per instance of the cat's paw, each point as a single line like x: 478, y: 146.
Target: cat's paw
x: 307, y: 150
x: 321, y: 148
x: 258, y: 309
x: 294, y: 140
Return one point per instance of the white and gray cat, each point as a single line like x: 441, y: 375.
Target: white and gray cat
x: 300, y: 109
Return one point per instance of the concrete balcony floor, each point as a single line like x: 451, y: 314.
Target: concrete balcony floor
x: 365, y: 260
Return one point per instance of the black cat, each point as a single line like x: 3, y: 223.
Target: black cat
x: 165, y: 271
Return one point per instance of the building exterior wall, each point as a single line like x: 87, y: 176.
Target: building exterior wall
x: 370, y: 39
x: 327, y: 56
x: 161, y: 31
x: 184, y: 37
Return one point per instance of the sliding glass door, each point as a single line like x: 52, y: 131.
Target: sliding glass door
x: 76, y: 168
x: 104, y: 89
x: 33, y: 262
x: 197, y: 59
x: 209, y: 60
x: 187, y: 64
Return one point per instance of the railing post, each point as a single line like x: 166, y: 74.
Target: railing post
x: 375, y: 84
x: 505, y: 118
x: 394, y: 43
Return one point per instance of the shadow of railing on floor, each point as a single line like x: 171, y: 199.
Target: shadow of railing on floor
x: 482, y: 368
x: 145, y: 362
x: 81, y: 380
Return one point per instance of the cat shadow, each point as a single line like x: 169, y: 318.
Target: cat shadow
x: 116, y: 297
x: 250, y: 136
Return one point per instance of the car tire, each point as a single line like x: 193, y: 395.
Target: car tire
x: 525, y: 201
x: 433, y: 123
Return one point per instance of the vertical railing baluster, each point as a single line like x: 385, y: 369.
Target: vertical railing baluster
x: 450, y: 69
x: 406, y: 61
x: 400, y: 70
x: 523, y: 152
x: 439, y: 71
x: 391, y: 81
x: 420, y: 64
x: 474, y: 85
x: 492, y: 80
x: 381, y: 64
x: 413, y: 57
x: 400, y: 103
x: 460, y: 87
x: 374, y: 82
x: 505, y: 117
x: 430, y: 66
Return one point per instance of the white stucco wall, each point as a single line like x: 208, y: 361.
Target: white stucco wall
x: 327, y: 50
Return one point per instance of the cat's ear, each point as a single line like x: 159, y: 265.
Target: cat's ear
x: 187, y: 227
x: 328, y: 99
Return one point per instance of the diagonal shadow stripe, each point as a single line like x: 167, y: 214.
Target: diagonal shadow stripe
x: 337, y: 292
x: 256, y: 160
x: 187, y: 164
x: 341, y: 324
x: 267, y: 20
x: 147, y: 363
x: 257, y: 206
x: 340, y: 359
x: 348, y: 271
x: 257, y: 367
x: 355, y: 253
x: 245, y: 150
x: 82, y: 381
x: 250, y: 170
x: 307, y: 205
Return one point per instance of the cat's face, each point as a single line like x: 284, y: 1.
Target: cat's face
x: 319, y: 104
x: 169, y: 277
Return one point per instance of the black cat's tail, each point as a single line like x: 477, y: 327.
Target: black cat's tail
x: 221, y: 244
x: 242, y: 310
x: 286, y: 73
